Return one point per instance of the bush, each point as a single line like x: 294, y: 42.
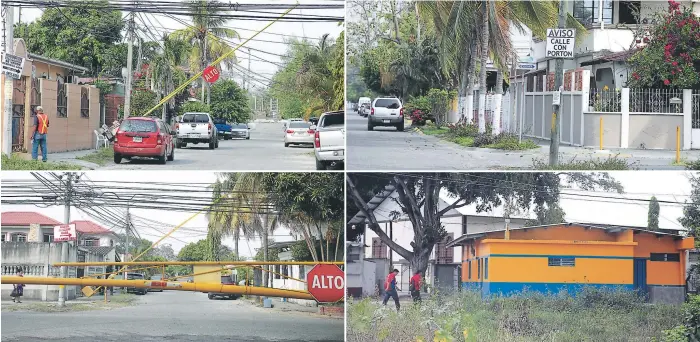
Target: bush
x: 690, y: 329
x: 509, y: 141
x: 693, y: 165
x: 16, y: 163
x: 463, y: 130
x: 610, y: 163
x: 483, y: 139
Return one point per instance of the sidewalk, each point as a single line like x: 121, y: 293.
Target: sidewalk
x: 72, y: 158
x: 636, y: 158
x: 95, y: 302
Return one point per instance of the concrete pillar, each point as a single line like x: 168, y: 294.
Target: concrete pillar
x: 687, y: 118
x: 625, y: 119
x: 27, y: 114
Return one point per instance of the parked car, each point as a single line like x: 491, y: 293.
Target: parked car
x: 156, y: 277
x: 196, y: 128
x: 240, y: 131
x: 363, y: 106
x: 223, y: 129
x: 386, y: 111
x: 225, y: 280
x: 329, y: 140
x: 135, y: 276
x: 144, y: 137
x: 299, y: 133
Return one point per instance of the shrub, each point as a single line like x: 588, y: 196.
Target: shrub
x: 693, y: 165
x: 484, y: 139
x: 193, y: 106
x: 610, y: 163
x: 418, y: 117
x: 509, y: 141
x: 463, y: 130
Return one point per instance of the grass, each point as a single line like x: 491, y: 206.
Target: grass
x: 513, y: 144
x: 463, y: 141
x: 610, y: 163
x: 95, y: 303
x: 693, y: 165
x: 15, y: 162
x: 507, y: 142
x: 100, y: 157
x: 592, y: 315
x: 432, y: 130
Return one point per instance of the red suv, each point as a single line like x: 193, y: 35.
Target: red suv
x: 144, y: 137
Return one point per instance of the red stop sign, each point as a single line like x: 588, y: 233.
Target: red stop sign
x: 326, y: 283
x: 211, y: 74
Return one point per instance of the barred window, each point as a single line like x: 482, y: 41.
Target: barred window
x: 84, y: 103
x: 673, y: 257
x: 61, y: 101
x: 566, y: 262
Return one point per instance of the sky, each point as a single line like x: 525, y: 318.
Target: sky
x: 246, y: 28
x: 193, y: 231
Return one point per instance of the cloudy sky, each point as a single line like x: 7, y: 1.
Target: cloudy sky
x: 193, y: 231
x: 270, y: 41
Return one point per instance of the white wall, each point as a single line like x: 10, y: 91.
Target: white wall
x: 291, y: 284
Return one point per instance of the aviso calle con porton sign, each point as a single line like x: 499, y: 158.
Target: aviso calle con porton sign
x: 560, y: 42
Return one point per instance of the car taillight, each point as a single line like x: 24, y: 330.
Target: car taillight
x: 401, y: 112
x: 311, y: 131
x: 317, y: 139
x: 160, y: 139
x: 372, y: 113
x: 290, y: 131
x: 177, y: 125
x: 210, y: 127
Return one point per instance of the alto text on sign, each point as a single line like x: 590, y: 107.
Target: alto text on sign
x: 560, y: 43
x: 326, y: 283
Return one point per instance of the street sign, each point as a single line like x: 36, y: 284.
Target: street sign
x: 326, y: 283
x: 211, y: 74
x: 560, y: 42
x: 527, y: 66
x: 64, y: 232
x: 12, y: 65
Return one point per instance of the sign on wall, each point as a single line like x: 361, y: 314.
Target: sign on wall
x: 12, y: 65
x: 64, y: 232
x: 560, y: 42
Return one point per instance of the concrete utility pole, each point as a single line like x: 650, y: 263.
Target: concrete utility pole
x: 126, y: 247
x: 247, y: 76
x: 558, y: 81
x: 8, y: 42
x: 129, y: 68
x: 64, y: 245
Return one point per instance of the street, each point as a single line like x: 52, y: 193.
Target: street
x: 386, y: 149
x: 173, y: 316
x: 264, y: 151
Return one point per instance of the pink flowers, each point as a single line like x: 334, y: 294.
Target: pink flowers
x: 667, y: 82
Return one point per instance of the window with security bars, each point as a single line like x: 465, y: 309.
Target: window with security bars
x: 673, y: 257
x: 379, y: 248
x: 444, y: 254
x: 19, y: 237
x: 61, y: 101
x: 565, y: 262
x: 587, y: 11
x: 84, y: 103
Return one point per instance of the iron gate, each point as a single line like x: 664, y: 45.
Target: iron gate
x: 18, y: 96
x: 695, y: 131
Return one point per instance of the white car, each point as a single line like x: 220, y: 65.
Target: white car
x: 240, y: 131
x: 329, y: 140
x: 299, y: 133
x: 196, y: 128
x: 386, y: 111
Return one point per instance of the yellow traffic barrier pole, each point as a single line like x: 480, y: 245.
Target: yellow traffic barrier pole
x: 197, y: 263
x: 196, y: 274
x: 678, y: 144
x: 177, y: 286
x: 601, y: 133
x: 217, y: 61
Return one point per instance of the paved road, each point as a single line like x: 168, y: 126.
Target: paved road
x: 172, y: 316
x: 264, y: 151
x: 386, y: 149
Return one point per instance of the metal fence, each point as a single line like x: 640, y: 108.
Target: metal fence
x: 656, y: 101
x: 696, y: 109
x: 605, y: 100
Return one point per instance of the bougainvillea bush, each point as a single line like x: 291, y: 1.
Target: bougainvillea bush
x: 672, y: 57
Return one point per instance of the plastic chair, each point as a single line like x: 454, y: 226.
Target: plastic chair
x: 100, y: 139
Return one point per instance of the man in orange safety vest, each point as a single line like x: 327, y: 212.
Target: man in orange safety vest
x: 41, y: 130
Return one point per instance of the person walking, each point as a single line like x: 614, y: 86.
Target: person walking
x: 414, y: 287
x: 390, y: 289
x: 41, y: 130
x: 17, y: 289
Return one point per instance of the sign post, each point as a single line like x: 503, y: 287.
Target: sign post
x: 64, y: 232
x: 560, y: 45
x: 326, y: 283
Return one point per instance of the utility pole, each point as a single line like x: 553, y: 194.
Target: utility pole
x: 558, y: 81
x: 204, y: 57
x: 8, y: 44
x: 126, y: 248
x: 139, y: 62
x: 129, y: 68
x: 247, y: 77
x: 64, y: 245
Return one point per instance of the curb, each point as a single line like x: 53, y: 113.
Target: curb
x: 335, y: 311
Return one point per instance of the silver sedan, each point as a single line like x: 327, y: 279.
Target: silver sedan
x: 299, y: 132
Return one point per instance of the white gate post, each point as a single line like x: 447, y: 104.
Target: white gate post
x: 687, y: 118
x: 625, y: 119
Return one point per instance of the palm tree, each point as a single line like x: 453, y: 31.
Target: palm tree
x: 166, y: 69
x: 206, y: 37
x: 250, y: 210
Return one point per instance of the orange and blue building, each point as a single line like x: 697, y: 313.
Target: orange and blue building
x: 570, y: 256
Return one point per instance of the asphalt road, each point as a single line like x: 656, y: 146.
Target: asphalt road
x: 172, y: 316
x: 385, y: 149
x: 264, y: 151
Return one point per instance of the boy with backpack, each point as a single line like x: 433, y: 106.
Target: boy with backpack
x: 414, y: 287
x: 390, y: 289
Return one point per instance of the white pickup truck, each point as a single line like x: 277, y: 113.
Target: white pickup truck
x: 196, y: 128
x: 329, y: 140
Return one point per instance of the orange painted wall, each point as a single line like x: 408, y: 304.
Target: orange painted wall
x: 661, y: 272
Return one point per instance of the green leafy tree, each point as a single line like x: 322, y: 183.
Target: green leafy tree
x: 653, y: 219
x: 75, y: 34
x: 142, y: 99
x: 339, y: 72
x: 670, y: 59
x: 194, y: 251
x: 230, y: 102
x: 419, y: 200
x: 193, y: 106
x: 691, y: 211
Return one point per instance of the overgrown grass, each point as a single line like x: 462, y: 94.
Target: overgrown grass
x: 100, y: 157
x: 593, y: 315
x: 15, y: 162
x: 467, y: 135
x: 95, y: 303
x: 463, y: 141
x: 695, y: 165
x: 610, y: 163
x: 432, y: 130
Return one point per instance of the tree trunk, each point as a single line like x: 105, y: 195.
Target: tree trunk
x: 337, y: 242
x: 470, y: 82
x: 236, y: 238
x: 496, y: 114
x: 320, y: 241
x: 420, y: 261
x: 482, y: 71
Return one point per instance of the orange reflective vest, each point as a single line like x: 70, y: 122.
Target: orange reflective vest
x: 42, y: 123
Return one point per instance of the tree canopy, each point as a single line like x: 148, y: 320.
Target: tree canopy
x: 229, y: 101
x: 653, y: 219
x: 691, y: 211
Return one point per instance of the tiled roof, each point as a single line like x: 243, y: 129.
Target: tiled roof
x: 89, y: 227
x: 25, y: 218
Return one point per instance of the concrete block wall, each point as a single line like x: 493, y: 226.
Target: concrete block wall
x: 74, y: 132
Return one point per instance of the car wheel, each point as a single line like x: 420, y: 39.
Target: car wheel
x: 320, y: 165
x: 211, y: 145
x: 216, y: 145
x: 117, y: 158
x: 370, y: 127
x: 162, y: 159
x: 400, y: 126
x: 286, y: 145
x: 171, y: 157
x: 210, y: 296
x: 247, y: 138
